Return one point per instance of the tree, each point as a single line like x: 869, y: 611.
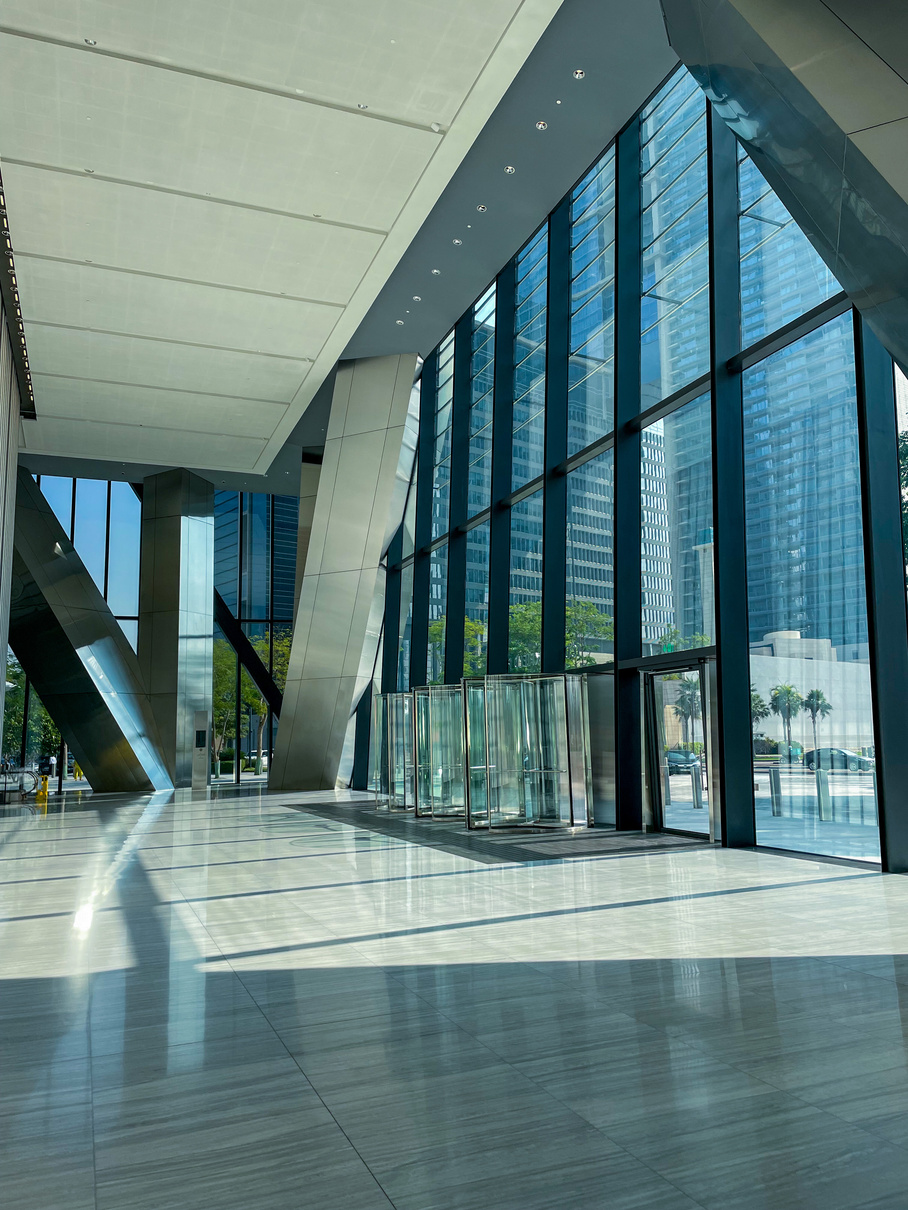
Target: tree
x: 525, y: 636
x: 585, y: 626
x: 786, y: 701
x: 436, y: 654
x: 817, y: 706
x: 251, y: 697
x: 13, y: 708
x: 687, y: 704
x: 758, y: 709
x: 223, y: 696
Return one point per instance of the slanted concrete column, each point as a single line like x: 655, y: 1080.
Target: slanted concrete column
x: 176, y: 619
x: 336, y: 609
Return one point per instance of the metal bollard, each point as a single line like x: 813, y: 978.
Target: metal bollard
x: 824, y: 802
x: 775, y: 789
x: 697, y: 787
x: 667, y: 785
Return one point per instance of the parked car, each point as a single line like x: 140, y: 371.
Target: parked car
x: 837, y: 758
x: 680, y: 761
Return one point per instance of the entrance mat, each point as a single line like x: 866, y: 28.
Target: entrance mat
x: 513, y: 845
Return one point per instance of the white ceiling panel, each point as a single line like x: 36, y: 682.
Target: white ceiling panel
x: 149, y: 407
x: 126, y: 120
x: 83, y: 296
x: 205, y: 199
x: 158, y: 363
x: 166, y: 447
x: 128, y: 227
x: 414, y: 60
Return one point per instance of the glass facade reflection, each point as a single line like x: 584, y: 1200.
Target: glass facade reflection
x: 620, y: 274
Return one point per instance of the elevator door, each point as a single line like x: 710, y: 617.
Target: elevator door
x: 679, y: 749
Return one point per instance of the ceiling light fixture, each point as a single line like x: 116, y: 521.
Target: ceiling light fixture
x: 399, y: 322
x: 510, y: 169
x: 542, y: 125
x: 436, y: 272
x: 456, y: 242
x: 481, y: 208
x: 89, y: 42
x: 435, y: 127
x: 359, y: 105
x: 579, y: 73
x: 557, y: 102
x: 89, y: 170
x: 417, y: 298
x: 14, y: 318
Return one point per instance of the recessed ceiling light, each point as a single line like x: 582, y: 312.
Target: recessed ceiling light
x: 359, y: 105
x: 469, y: 226
x: 542, y: 125
x: 314, y: 215
x: 435, y: 127
x: 481, y: 208
x: 579, y: 73
x: 417, y: 298
x: 399, y: 322
x: 436, y: 272
x: 510, y: 169
x: 557, y: 102
x: 89, y: 42
x: 88, y: 169
x: 456, y: 242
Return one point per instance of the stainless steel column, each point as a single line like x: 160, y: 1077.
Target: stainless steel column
x: 176, y: 591
x: 336, y: 617
x: 76, y: 655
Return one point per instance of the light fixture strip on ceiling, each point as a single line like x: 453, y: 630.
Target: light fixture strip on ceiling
x: 9, y: 292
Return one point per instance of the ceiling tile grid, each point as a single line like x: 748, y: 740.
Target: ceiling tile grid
x: 204, y: 199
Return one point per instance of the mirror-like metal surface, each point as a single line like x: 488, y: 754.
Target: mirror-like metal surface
x: 175, y: 611
x: 335, y: 633
x: 9, y: 445
x: 824, y: 118
x: 77, y: 657
x: 601, y: 707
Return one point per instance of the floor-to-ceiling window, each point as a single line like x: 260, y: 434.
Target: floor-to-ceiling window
x: 597, y: 341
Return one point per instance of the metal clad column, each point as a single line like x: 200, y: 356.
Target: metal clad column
x: 628, y: 595
x: 502, y: 438
x: 349, y: 530
x: 77, y: 657
x: 887, y: 616
x: 732, y: 706
x: 9, y: 450
x: 176, y: 624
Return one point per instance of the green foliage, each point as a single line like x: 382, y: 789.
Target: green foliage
x: 673, y: 640
x: 817, y: 705
x: 43, y: 736
x: 223, y: 696
x: 758, y: 708
x: 687, y: 704
x: 251, y: 698
x: 786, y: 702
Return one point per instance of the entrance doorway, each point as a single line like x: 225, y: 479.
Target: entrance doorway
x: 680, y: 748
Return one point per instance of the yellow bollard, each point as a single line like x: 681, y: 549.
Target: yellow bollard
x: 41, y: 793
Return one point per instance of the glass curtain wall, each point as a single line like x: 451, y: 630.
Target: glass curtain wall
x: 255, y: 538
x: 102, y: 519
x: 636, y: 251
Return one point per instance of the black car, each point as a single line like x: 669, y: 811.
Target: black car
x: 679, y: 761
x: 837, y: 758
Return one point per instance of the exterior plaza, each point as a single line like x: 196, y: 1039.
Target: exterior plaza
x: 453, y: 544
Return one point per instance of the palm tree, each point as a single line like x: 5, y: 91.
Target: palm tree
x: 817, y: 706
x: 687, y: 707
x: 758, y: 708
x: 786, y: 701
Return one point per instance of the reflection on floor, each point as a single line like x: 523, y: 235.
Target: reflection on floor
x: 232, y: 1004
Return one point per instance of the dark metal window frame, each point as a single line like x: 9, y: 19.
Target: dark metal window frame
x: 887, y: 611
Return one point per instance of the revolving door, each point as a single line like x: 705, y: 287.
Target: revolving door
x: 393, y: 751
x: 527, y: 752
x: 439, y: 751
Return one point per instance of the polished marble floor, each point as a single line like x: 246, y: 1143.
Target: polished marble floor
x: 236, y: 1004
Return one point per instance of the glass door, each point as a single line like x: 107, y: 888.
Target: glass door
x: 679, y: 748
